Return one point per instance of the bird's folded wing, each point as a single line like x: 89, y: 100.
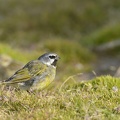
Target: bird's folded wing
x: 29, y: 71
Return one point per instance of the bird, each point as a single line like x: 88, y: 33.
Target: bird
x: 36, y: 74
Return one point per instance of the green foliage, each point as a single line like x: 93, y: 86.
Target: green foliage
x: 70, y: 51
x: 15, y: 53
x: 105, y: 34
x: 5, y: 49
x: 94, y: 99
x: 40, y: 18
x: 30, y: 25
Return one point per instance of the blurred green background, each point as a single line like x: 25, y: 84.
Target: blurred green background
x: 85, y: 34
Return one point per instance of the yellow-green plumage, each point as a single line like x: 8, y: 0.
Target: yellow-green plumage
x: 47, y: 79
x: 36, y: 74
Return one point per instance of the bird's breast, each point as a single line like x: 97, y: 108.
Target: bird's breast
x: 43, y: 81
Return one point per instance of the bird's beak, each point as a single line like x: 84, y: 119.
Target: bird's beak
x: 57, y: 57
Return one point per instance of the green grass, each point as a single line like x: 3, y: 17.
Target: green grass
x: 94, y: 100
x: 103, y: 35
x: 16, y: 54
x: 70, y: 51
x: 42, y: 18
x: 30, y: 28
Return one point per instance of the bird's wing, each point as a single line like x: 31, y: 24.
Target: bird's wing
x: 30, y: 70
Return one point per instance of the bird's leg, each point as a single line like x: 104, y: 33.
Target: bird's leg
x: 30, y: 91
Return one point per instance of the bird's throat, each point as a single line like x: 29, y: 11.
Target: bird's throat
x: 54, y: 63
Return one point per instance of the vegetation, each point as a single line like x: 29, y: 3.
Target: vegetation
x: 71, y: 29
x: 33, y: 21
x: 104, y: 35
x: 96, y: 99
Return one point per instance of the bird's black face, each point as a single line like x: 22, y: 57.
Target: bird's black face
x: 49, y: 59
x: 53, y: 59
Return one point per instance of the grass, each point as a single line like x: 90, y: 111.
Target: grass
x: 95, y: 99
x: 103, y: 35
x: 38, y: 19
x: 70, y: 51
x: 28, y: 29
x: 15, y: 53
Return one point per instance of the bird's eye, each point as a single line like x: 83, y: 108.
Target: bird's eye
x: 52, y: 57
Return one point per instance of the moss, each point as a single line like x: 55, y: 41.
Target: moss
x: 92, y: 100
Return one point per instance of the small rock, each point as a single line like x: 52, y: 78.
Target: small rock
x: 115, y: 88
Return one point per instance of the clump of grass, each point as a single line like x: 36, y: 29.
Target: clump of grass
x: 70, y: 51
x: 22, y: 56
x: 15, y: 54
x: 103, y: 35
x: 94, y: 99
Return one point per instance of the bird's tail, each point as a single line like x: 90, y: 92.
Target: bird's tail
x: 2, y: 82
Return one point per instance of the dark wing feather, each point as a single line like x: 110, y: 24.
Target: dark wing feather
x: 30, y: 70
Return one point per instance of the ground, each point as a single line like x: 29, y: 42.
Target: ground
x: 88, y: 100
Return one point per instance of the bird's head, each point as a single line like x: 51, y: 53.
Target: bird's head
x: 49, y: 59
